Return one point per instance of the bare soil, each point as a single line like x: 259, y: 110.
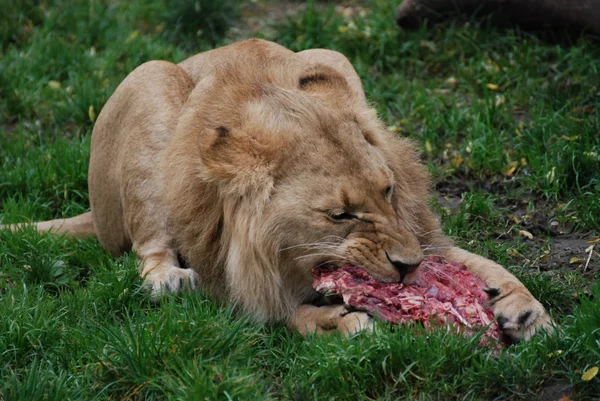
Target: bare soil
x: 553, y: 246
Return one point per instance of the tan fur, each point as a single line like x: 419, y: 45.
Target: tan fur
x: 238, y: 160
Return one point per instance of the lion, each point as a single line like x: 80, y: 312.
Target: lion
x: 241, y: 169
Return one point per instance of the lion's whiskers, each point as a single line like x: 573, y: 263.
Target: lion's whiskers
x: 317, y: 254
x: 439, y: 273
x: 311, y: 245
x: 430, y: 247
x: 423, y: 233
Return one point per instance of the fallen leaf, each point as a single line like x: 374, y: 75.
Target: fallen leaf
x: 513, y: 252
x: 556, y: 353
x: 428, y: 147
x: 428, y: 45
x: 132, y: 36
x: 510, y: 171
x: 589, y: 374
x: 545, y: 257
x: 596, y: 240
x: 91, y: 113
x: 565, y: 398
x: 457, y: 161
x: 493, y: 87
x: 570, y: 138
x: 54, y: 84
x: 574, y: 259
x: 452, y: 81
x: 526, y: 234
x: 584, y: 109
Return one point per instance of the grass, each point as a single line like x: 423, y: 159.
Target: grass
x: 508, y: 117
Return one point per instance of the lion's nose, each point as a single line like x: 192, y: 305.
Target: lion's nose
x: 404, y: 267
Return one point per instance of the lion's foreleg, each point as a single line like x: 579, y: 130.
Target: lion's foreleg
x: 160, y: 268
x: 519, y: 313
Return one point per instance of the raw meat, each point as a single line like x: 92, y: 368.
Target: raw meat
x: 444, y: 293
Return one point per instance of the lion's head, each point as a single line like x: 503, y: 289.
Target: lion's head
x: 276, y: 168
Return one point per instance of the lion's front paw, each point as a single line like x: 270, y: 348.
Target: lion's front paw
x: 311, y: 319
x: 355, y: 322
x: 519, y: 314
x: 170, y: 279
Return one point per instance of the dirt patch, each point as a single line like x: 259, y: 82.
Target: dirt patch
x: 572, y: 248
x: 552, y: 243
x: 556, y: 392
x: 259, y: 17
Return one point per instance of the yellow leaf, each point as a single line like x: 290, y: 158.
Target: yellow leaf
x: 132, y: 36
x: 557, y: 353
x: 457, y: 161
x: 428, y: 147
x: 493, y: 87
x: 544, y: 258
x: 91, y: 113
x: 524, y: 162
x: 596, y: 240
x: 574, y: 259
x: 54, y: 84
x: 570, y: 138
x: 513, y: 252
x: 342, y: 29
x: 510, y: 171
x: 526, y: 234
x: 589, y: 374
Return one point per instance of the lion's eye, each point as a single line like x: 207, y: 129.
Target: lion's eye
x: 340, y: 216
x: 388, y: 193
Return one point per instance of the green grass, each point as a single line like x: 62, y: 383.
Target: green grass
x: 78, y: 324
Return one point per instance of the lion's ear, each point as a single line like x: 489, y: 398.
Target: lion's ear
x: 232, y: 156
x: 320, y: 77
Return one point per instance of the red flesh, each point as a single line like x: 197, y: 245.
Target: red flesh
x: 444, y: 293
